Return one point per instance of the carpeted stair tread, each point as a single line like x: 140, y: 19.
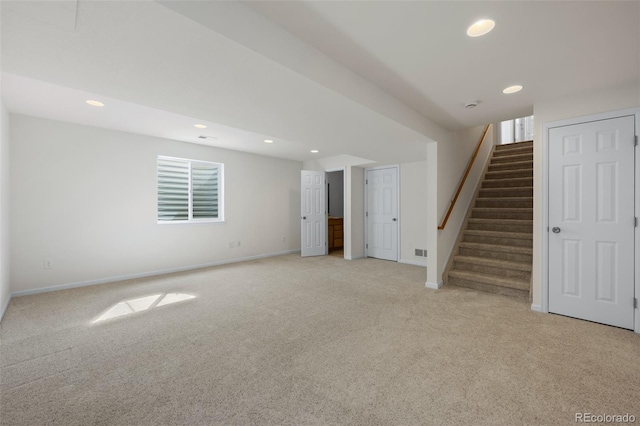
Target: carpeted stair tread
x: 514, y: 145
x: 506, y: 198
x: 512, y: 151
x: 499, y: 234
x: 508, y: 192
x: 494, y: 263
x: 501, y: 224
x: 504, y: 202
x: 502, y: 212
x: 505, y: 221
x: 515, y: 165
x: 512, y: 158
x: 503, y: 174
x: 520, y: 182
x: 514, y: 283
x: 496, y: 247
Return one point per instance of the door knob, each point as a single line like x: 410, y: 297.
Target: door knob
x: 304, y: 217
x: 555, y: 230
x: 394, y: 219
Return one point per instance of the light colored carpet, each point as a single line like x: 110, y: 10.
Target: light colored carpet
x: 315, y: 341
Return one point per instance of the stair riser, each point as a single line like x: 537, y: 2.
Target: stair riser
x: 518, y: 242
x: 513, y: 151
x: 510, y: 166
x: 511, y: 158
x: 504, y: 203
x: 518, y: 145
x: 509, y: 174
x: 507, y: 183
x: 489, y: 288
x: 507, y: 192
x: 501, y: 226
x: 502, y: 214
x: 492, y: 270
x: 499, y: 255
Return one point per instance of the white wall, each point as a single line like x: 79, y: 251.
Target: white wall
x: 85, y: 198
x: 335, y: 181
x: 431, y: 183
x: 453, y: 158
x: 413, y: 211
x: 590, y: 103
x: 355, y: 215
x: 5, y: 229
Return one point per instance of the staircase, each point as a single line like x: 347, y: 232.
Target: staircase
x: 494, y: 250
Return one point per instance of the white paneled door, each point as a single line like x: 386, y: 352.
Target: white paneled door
x: 591, y: 221
x: 382, y: 213
x: 313, y: 216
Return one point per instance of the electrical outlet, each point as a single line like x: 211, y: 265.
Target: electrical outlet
x: 284, y: 239
x: 232, y: 244
x: 419, y: 252
x: 48, y: 264
x: 238, y: 244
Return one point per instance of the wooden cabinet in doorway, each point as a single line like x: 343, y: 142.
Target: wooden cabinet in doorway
x: 335, y: 233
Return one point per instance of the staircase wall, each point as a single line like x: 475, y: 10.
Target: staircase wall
x: 453, y: 159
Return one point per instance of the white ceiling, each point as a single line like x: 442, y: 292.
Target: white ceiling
x: 374, y: 80
x: 418, y: 51
x: 37, y: 98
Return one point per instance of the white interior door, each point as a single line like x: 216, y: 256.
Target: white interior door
x: 382, y: 213
x: 313, y: 216
x: 591, y: 221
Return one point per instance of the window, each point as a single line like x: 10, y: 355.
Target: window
x: 518, y: 130
x: 189, y: 191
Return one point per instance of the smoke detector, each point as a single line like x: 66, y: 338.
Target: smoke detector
x: 471, y: 104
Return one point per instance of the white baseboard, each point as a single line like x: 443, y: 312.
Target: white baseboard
x: 536, y: 308
x: 412, y: 262
x: 145, y: 274
x: 360, y: 256
x: 4, y: 308
x: 434, y: 286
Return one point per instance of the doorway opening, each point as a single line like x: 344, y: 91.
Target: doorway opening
x: 335, y: 211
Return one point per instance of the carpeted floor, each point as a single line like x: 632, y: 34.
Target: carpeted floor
x: 314, y: 341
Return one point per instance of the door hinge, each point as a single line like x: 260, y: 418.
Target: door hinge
x: 635, y: 222
x: 366, y: 181
x: 366, y: 214
x: 635, y: 140
x: 635, y: 303
x: 366, y: 245
x: 547, y: 229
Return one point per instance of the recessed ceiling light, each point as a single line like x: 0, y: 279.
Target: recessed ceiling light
x: 268, y: 141
x: 315, y: 151
x: 512, y: 89
x: 200, y: 126
x: 480, y: 28
x: 95, y: 103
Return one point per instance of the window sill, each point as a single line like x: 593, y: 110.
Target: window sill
x: 190, y: 222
